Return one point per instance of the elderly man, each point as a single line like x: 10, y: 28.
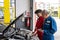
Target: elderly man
x: 49, y: 26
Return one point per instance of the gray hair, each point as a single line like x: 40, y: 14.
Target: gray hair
x: 45, y: 12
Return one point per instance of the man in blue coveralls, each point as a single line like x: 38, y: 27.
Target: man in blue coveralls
x: 49, y: 26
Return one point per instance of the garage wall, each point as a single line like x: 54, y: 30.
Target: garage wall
x: 22, y: 6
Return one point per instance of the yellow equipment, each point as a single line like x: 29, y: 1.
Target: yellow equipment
x: 6, y: 11
x: 59, y: 11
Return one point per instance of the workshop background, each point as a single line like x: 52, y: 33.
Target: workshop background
x: 11, y: 9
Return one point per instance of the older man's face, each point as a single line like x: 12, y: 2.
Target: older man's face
x: 45, y: 15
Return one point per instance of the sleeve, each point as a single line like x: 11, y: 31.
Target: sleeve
x: 53, y: 28
x: 39, y: 23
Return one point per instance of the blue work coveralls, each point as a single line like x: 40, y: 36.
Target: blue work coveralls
x: 49, y: 28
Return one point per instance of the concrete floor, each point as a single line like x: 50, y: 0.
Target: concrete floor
x: 57, y: 34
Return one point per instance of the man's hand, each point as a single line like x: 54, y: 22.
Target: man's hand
x: 41, y: 30
x: 34, y: 33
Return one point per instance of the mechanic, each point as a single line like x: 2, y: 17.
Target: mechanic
x: 39, y: 24
x: 49, y: 26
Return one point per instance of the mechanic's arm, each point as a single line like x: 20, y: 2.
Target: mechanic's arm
x: 53, y: 28
x: 35, y: 32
